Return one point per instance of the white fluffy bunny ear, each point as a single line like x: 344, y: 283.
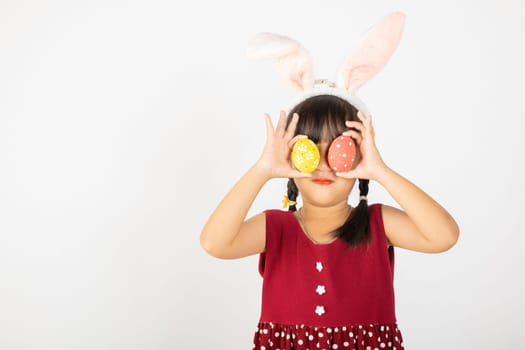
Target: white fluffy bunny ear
x: 372, y: 53
x: 293, y: 60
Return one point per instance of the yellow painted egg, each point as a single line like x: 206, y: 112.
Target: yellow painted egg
x: 305, y: 155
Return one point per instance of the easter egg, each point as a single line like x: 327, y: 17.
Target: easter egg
x: 342, y: 154
x: 305, y: 155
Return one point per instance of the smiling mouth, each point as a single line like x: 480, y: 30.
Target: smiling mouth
x: 323, y: 181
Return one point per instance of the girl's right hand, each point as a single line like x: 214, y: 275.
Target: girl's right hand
x: 275, y: 158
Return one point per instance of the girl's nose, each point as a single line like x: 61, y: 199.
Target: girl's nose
x: 323, y: 161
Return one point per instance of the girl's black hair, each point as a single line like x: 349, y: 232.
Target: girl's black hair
x: 323, y: 118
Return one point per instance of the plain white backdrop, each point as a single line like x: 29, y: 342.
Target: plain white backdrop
x: 123, y: 123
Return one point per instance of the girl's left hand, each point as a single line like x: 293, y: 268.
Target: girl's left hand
x: 371, y: 165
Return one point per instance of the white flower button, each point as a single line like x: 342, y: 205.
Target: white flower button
x: 320, y: 290
x: 319, y: 266
x: 319, y: 310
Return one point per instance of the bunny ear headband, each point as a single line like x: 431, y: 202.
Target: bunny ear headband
x: 364, y: 61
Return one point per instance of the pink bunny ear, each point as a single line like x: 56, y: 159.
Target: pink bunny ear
x: 372, y: 53
x: 293, y: 61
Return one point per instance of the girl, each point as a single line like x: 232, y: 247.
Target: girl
x: 328, y: 267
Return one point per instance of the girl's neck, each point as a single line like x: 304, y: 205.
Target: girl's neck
x: 318, y: 223
x: 314, y: 213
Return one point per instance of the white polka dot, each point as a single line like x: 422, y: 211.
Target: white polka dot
x: 263, y: 348
x: 334, y: 346
x: 382, y: 345
x: 351, y: 334
x: 346, y: 344
x: 329, y: 330
x: 300, y: 342
x: 344, y: 329
x: 277, y: 334
x: 320, y: 289
x: 319, y: 310
x: 320, y: 335
x: 336, y: 329
x: 370, y: 334
x: 310, y: 337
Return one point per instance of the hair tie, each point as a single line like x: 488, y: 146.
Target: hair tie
x: 287, y: 202
x: 363, y: 198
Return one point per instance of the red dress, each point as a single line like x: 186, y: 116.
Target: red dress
x: 326, y: 296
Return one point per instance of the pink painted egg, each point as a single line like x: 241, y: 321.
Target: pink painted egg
x: 342, y: 154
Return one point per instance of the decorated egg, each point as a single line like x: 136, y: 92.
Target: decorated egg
x: 342, y: 154
x: 305, y: 155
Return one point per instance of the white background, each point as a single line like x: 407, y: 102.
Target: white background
x: 123, y: 123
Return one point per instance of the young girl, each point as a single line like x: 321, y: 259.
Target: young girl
x: 328, y: 267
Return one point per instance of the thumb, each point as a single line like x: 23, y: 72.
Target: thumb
x: 352, y: 174
x: 298, y: 174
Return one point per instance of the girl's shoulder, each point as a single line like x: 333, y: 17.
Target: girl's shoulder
x: 278, y: 215
x: 277, y: 219
x: 375, y: 206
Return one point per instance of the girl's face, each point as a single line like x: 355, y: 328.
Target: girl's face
x: 322, y: 119
x: 324, y: 188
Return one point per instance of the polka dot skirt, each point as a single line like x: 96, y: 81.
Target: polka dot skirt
x: 271, y: 336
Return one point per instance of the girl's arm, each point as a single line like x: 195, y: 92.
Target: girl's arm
x: 227, y: 235
x: 422, y: 224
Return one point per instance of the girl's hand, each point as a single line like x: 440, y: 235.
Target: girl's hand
x: 275, y: 159
x: 371, y: 164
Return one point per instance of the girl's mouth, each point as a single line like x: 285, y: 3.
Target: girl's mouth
x: 323, y: 182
